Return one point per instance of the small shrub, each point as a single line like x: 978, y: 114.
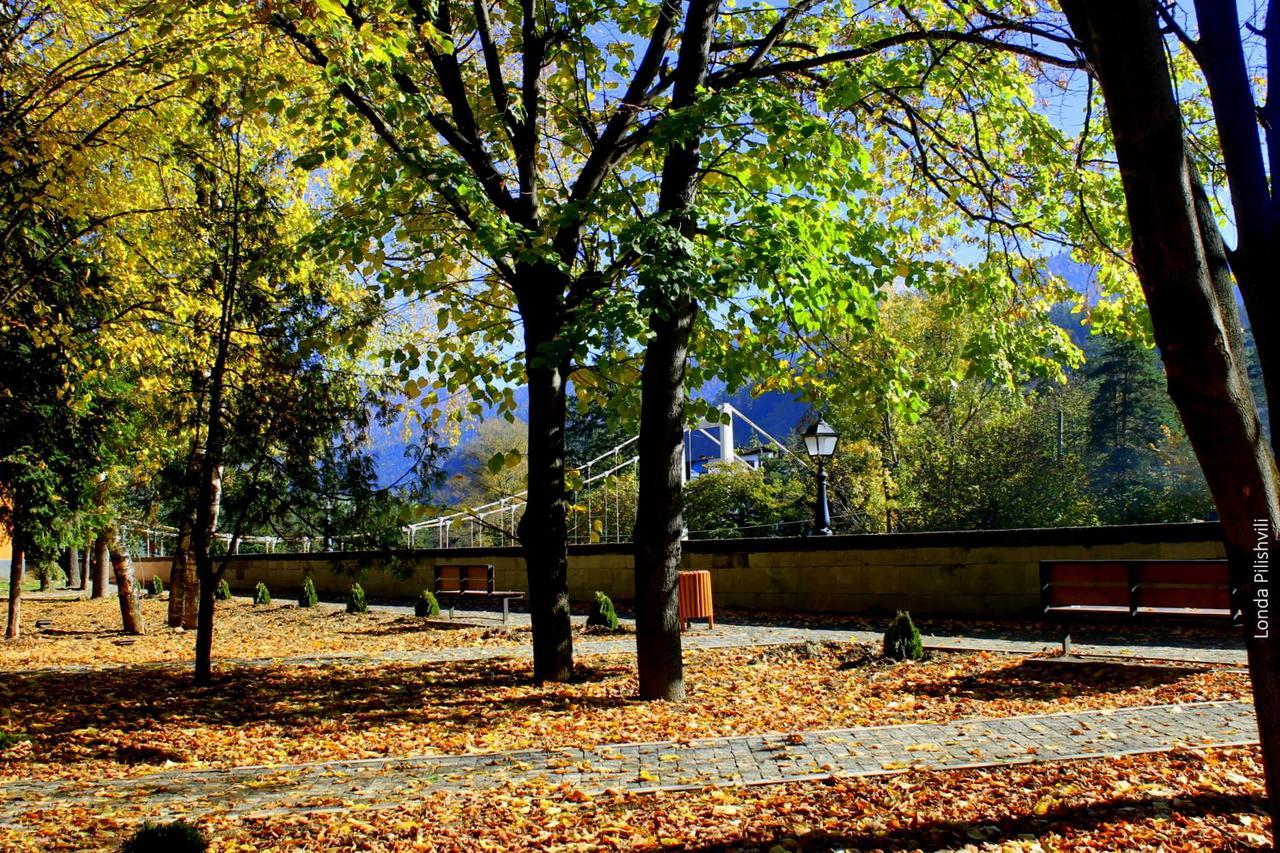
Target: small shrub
x: 902, y: 640
x: 426, y: 605
x: 223, y: 592
x: 8, y: 739
x: 156, y: 587
x: 176, y: 837
x: 261, y: 595
x: 49, y: 573
x: 308, y: 597
x: 355, y: 601
x: 602, y: 613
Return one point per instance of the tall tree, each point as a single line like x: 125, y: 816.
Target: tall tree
x: 672, y: 310
x: 786, y: 233
x: 262, y: 351
x: 128, y: 589
x: 69, y: 327
x: 514, y: 155
x: 1189, y: 277
x: 17, y: 576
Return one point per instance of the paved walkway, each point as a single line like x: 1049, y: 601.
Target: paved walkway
x: 730, y: 761
x: 732, y: 635
x: 1098, y: 641
x: 722, y: 637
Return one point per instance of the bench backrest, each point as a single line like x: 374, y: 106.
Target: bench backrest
x: 1137, y: 585
x: 1203, y: 586
x: 464, y: 578
x: 1089, y: 583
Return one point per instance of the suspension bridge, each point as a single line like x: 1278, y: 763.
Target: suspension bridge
x: 602, y: 501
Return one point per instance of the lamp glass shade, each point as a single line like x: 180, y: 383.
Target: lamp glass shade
x: 820, y: 440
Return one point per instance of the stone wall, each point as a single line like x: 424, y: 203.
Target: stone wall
x: 992, y: 573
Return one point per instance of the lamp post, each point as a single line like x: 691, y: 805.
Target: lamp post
x: 820, y: 443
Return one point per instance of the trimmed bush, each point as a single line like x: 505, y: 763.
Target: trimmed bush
x: 176, y: 837
x: 308, y: 597
x: 355, y: 601
x: 426, y: 605
x: 156, y: 587
x: 261, y: 595
x: 223, y: 592
x: 49, y: 573
x: 902, y: 640
x: 602, y: 613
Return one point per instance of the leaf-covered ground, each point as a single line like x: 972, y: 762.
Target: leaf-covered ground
x: 1172, y: 801
x: 129, y: 721
x: 88, y: 632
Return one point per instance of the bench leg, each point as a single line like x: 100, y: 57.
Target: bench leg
x: 1066, y: 641
x: 505, y: 607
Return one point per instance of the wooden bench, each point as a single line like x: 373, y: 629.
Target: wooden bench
x: 1071, y: 590
x: 456, y: 582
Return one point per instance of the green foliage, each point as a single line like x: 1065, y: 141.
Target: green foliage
x: 8, y: 739
x: 605, y: 511
x: 902, y: 640
x: 356, y: 602
x: 156, y: 587
x: 1102, y: 446
x: 223, y: 592
x: 602, y: 614
x: 426, y: 605
x: 491, y: 464
x: 308, y: 597
x: 49, y: 573
x: 176, y: 837
x: 733, y: 500
x: 591, y: 429
x: 1141, y: 467
x: 261, y: 595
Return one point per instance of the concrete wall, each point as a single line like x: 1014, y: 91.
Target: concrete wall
x: 968, y: 572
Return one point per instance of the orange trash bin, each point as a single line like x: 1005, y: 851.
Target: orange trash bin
x: 695, y: 598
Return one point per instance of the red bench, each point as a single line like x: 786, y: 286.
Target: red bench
x: 1071, y: 590
x: 456, y: 582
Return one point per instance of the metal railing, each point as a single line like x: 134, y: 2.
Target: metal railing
x: 601, y: 505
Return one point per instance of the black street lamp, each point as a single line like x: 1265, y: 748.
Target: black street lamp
x: 820, y: 443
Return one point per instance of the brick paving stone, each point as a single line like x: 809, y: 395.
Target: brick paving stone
x: 651, y: 766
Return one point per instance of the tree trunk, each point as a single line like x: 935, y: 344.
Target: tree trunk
x: 184, y: 583
x: 660, y: 505
x: 17, y: 568
x: 184, y: 580
x: 1182, y: 265
x: 208, y: 585
x: 100, y: 565
x: 183, y: 566
x: 543, y: 529
x: 208, y: 497
x: 127, y: 588
x: 84, y: 557
x: 72, y: 560
x: 1256, y: 213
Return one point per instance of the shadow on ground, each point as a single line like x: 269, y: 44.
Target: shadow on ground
x: 1042, y: 678
x: 964, y: 835
x: 75, y: 717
